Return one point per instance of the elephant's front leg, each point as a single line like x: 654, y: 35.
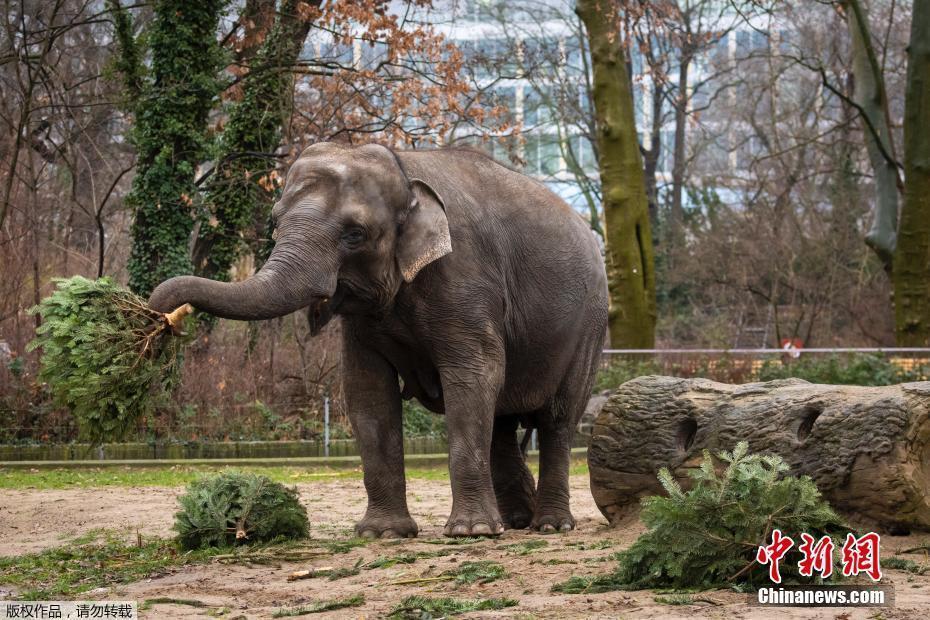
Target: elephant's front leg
x: 374, y: 405
x: 470, y: 397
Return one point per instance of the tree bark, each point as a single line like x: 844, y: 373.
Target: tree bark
x: 628, y: 236
x: 872, y: 100
x: 911, y: 275
x: 866, y: 448
x: 676, y: 233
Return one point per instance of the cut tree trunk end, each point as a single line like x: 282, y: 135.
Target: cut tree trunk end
x: 866, y: 448
x: 175, y: 318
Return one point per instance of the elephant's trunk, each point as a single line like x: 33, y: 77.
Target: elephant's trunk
x: 277, y: 289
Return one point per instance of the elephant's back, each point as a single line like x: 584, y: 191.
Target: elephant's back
x: 496, y: 201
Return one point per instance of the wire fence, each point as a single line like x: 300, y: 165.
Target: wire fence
x: 212, y: 434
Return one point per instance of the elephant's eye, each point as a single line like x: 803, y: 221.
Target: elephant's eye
x: 353, y: 237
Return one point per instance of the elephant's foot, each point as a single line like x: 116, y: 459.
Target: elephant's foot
x: 517, y: 519
x: 479, y: 523
x: 552, y: 521
x: 399, y: 526
x: 516, y: 506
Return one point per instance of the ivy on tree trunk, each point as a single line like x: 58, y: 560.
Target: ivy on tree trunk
x: 170, y: 106
x: 241, y: 189
x: 911, y: 275
x: 630, y: 264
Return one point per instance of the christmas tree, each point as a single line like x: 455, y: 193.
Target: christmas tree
x: 106, y: 355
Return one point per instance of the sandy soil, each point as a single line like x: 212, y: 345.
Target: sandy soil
x: 32, y: 520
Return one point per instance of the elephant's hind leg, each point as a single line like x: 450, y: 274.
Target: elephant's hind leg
x: 513, y: 483
x: 552, y: 510
x: 556, y: 427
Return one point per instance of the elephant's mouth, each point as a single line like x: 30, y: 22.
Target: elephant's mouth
x: 321, y: 311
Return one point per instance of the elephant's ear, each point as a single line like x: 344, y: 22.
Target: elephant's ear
x: 424, y: 235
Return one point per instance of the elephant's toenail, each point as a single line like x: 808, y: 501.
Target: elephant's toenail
x: 389, y: 534
x: 460, y: 530
x: 565, y: 527
x: 547, y: 528
x: 499, y: 528
x: 369, y: 534
x: 412, y: 535
x: 480, y: 529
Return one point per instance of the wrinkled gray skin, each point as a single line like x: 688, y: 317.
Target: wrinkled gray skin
x: 477, y: 287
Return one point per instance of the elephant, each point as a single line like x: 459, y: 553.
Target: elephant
x: 460, y: 282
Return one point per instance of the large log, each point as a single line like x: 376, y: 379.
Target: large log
x: 866, y: 448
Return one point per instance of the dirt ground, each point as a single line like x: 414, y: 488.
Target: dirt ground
x: 32, y: 520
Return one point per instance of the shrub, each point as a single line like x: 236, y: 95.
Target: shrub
x: 420, y: 422
x: 859, y: 369
x: 106, y: 355
x: 234, y: 508
x: 621, y: 370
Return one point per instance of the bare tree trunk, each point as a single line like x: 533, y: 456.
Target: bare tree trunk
x: 652, y: 155
x: 678, y: 163
x: 630, y: 264
x: 870, y: 96
x: 911, y: 274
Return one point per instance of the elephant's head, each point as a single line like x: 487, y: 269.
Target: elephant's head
x: 350, y: 226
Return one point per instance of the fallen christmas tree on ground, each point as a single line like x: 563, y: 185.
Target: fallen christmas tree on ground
x: 708, y: 536
x: 106, y: 355
x: 237, y: 508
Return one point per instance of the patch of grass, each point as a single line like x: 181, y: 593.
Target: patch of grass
x: 590, y: 585
x: 578, y: 468
x: 389, y: 561
x: 279, y: 551
x: 182, y: 475
x: 587, y: 546
x: 908, y: 566
x: 404, y: 558
x: 336, y: 573
x: 527, y: 547
x: 168, y: 476
x: 167, y: 600
x: 80, y: 566
x: 426, y: 608
x: 345, y: 546
x: 320, y: 606
x: 674, y: 599
x: 465, y: 540
x: 483, y: 571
